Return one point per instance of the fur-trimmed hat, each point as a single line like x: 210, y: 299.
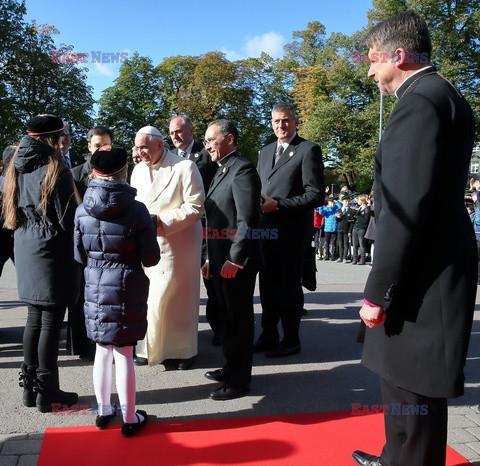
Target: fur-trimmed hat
x: 44, y: 124
x: 108, y: 160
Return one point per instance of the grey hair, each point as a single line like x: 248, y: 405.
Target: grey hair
x: 285, y: 107
x: 226, y: 127
x: 153, y: 137
x: 407, y: 30
x: 186, y: 119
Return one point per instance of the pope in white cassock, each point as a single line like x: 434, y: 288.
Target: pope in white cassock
x: 171, y: 187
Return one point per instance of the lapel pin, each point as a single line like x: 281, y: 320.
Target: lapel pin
x: 224, y: 169
x: 290, y: 154
x: 197, y: 155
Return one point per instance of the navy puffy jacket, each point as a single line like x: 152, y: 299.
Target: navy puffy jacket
x: 114, y: 236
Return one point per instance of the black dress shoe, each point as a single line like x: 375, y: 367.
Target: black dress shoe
x: 218, y: 375
x: 129, y: 430
x: 101, y: 422
x: 184, y: 364
x: 283, y: 351
x: 139, y: 361
x: 364, y: 459
x: 260, y: 346
x: 228, y: 393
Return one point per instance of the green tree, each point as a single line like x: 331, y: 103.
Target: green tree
x: 455, y: 32
x: 133, y: 101
x: 31, y: 81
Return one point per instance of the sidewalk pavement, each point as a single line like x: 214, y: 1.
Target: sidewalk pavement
x: 325, y: 376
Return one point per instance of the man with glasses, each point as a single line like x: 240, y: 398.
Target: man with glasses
x: 231, y: 208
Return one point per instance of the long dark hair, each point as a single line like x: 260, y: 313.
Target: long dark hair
x: 10, y: 191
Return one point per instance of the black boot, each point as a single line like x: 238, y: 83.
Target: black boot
x: 49, y: 396
x: 27, y: 381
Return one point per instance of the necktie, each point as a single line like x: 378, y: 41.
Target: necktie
x: 279, y: 153
x: 67, y: 161
x: 184, y: 154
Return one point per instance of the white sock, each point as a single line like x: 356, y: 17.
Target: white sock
x: 102, y: 378
x: 125, y: 378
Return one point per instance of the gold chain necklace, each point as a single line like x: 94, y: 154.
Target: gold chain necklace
x: 415, y: 80
x: 426, y: 74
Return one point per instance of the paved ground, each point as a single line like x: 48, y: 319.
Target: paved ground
x: 325, y: 376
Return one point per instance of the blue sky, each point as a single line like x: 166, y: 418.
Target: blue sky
x: 161, y: 29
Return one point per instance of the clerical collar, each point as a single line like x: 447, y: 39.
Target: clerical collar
x: 223, y: 160
x: 410, y: 76
x: 286, y: 144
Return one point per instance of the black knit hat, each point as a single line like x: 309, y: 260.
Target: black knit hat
x: 108, y: 160
x: 44, y: 124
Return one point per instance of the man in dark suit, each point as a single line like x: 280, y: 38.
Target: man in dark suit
x: 181, y: 132
x: 291, y: 171
x: 71, y: 160
x: 420, y: 294
x: 232, y: 212
x: 97, y: 137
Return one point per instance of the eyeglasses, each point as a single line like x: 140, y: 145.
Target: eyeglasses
x: 213, y: 140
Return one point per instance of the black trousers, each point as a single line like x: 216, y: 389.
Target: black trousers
x: 41, y: 336
x: 281, y: 293
x: 235, y: 300
x: 343, y: 245
x: 6, y: 246
x: 415, y: 428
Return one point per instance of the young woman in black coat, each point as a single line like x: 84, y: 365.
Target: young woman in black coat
x: 39, y: 204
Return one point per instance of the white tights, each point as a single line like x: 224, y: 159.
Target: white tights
x: 125, y: 380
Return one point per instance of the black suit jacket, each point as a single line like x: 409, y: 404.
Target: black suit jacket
x: 204, y: 163
x: 76, y: 160
x: 424, y: 272
x: 297, y: 183
x: 232, y: 210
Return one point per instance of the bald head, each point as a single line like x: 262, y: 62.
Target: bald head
x: 181, y: 131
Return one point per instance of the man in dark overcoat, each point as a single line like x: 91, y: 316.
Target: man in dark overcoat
x: 420, y: 294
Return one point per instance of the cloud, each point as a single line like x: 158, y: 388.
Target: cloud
x: 231, y: 55
x: 104, y: 70
x: 271, y: 43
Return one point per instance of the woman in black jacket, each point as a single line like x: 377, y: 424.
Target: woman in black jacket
x: 39, y: 203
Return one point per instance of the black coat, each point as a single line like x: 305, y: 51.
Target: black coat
x: 425, y: 279
x: 46, y: 272
x: 297, y: 183
x: 232, y: 210
x: 82, y: 176
x: 114, y: 236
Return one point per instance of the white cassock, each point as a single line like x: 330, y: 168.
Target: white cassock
x: 172, y: 190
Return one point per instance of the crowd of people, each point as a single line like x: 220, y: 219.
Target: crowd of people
x: 344, y: 228
x: 140, y: 247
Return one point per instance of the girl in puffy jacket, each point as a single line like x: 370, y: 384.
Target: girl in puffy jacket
x: 114, y: 236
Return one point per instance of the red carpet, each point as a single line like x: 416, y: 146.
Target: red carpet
x: 299, y: 440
